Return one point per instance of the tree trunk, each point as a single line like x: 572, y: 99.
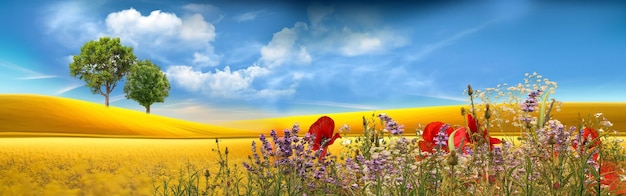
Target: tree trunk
x: 148, y: 109
x: 106, y: 100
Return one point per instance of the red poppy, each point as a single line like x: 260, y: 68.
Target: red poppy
x: 463, y: 135
x: 610, y: 173
x: 589, y: 134
x: 430, y: 132
x: 323, y: 129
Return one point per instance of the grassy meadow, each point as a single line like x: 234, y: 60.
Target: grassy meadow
x: 58, y: 146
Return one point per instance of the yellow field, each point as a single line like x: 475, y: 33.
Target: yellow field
x: 33, y: 115
x: 58, y: 146
x: 103, y: 166
x: 108, y: 166
x: 412, y: 117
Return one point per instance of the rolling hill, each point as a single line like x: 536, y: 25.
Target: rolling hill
x: 40, y: 116
x: 412, y: 117
x: 35, y: 115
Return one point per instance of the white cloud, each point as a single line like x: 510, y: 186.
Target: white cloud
x: 360, y: 43
x: 160, y: 28
x: 116, y: 98
x: 201, y: 8
x: 248, y: 16
x: 210, y: 12
x: 225, y: 83
x: 375, y: 41
x: 163, y: 32
x: 205, y: 59
x: 30, y: 74
x: 131, y: 23
x: 348, y: 35
x: 70, y: 23
x: 38, y: 77
x: 283, y: 48
x: 68, y: 88
x: 196, y: 29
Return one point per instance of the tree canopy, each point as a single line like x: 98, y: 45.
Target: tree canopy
x: 101, y: 64
x: 146, y: 84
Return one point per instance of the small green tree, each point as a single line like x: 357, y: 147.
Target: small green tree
x: 146, y: 84
x: 101, y: 64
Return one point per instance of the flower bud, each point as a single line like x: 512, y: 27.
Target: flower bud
x: 552, y: 140
x: 556, y: 185
x: 452, y: 159
x: 487, y: 112
x: 463, y: 112
x: 470, y: 91
x: 206, y: 173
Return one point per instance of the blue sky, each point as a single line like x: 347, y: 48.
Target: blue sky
x: 229, y: 60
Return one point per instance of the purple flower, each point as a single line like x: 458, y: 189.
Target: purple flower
x: 468, y: 150
x: 531, y: 101
x: 320, y: 172
x: 273, y: 135
x: 391, y: 125
x: 441, y: 139
x: 384, y: 117
x: 248, y: 167
x: 498, y: 159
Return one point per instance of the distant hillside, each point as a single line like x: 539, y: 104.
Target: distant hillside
x: 34, y: 115
x: 412, y: 117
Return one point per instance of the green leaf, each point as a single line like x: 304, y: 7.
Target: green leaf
x: 451, y: 141
x: 542, y: 112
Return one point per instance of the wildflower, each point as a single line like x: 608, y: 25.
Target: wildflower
x: 245, y: 165
x: 323, y: 129
x: 588, y: 135
x: 430, y: 132
x: 531, y: 102
x: 462, y: 136
x: 391, y: 125
x: 610, y: 172
x: 441, y: 139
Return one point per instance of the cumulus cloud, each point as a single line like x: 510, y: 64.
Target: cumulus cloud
x: 159, y: 28
x: 284, y: 48
x: 194, y: 28
x: 162, y: 33
x: 206, y: 59
x: 224, y: 83
x: 347, y: 37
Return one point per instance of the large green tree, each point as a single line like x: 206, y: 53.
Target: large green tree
x: 146, y: 84
x: 101, y: 64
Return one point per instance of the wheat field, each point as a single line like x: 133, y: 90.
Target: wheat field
x: 57, y: 146
x: 103, y: 166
